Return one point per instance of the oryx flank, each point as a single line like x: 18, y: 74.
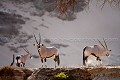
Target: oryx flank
x: 21, y: 59
x: 46, y: 52
x: 95, y: 50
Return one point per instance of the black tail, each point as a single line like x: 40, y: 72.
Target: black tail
x: 13, y: 60
x: 84, y: 57
x: 57, y: 59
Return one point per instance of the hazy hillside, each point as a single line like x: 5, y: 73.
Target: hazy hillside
x: 19, y: 19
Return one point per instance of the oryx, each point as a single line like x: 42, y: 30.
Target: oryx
x: 95, y: 50
x: 21, y: 59
x: 46, y: 52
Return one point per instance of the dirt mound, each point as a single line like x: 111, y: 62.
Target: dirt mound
x: 77, y: 74
x: 99, y: 73
x: 49, y: 74
x: 14, y: 73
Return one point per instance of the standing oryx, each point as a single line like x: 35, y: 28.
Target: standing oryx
x: 21, y: 59
x: 96, y: 51
x: 46, y: 52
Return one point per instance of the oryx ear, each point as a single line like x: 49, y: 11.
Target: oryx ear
x: 42, y: 44
x: 33, y: 44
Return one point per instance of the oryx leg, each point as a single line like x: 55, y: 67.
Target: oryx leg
x: 23, y: 64
x: 85, y: 60
x: 55, y: 61
x: 18, y: 64
x: 99, y: 60
x: 42, y: 62
x: 45, y: 63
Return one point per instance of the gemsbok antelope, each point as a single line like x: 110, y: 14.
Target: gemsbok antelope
x: 46, y: 52
x: 96, y: 51
x: 21, y: 59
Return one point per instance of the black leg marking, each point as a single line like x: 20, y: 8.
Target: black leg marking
x: 86, y: 58
x: 23, y: 64
x: 97, y: 58
x: 94, y: 54
x: 42, y: 60
x: 45, y: 59
x: 18, y: 64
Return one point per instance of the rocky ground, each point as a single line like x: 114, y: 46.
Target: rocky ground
x: 83, y: 73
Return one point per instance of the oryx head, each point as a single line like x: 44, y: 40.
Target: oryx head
x: 29, y: 55
x: 38, y: 43
x: 105, y: 48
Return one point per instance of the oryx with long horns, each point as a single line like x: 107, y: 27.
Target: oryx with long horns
x: 21, y: 59
x: 95, y: 50
x: 46, y: 52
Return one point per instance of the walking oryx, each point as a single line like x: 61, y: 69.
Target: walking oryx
x: 46, y: 52
x: 21, y: 59
x: 96, y: 51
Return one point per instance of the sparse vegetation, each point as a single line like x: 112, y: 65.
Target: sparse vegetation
x: 61, y: 76
x: 68, y: 6
x: 64, y: 6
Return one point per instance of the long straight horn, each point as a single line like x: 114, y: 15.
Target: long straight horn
x: 26, y: 50
x: 101, y: 43
x: 39, y: 38
x: 105, y: 43
x: 35, y: 38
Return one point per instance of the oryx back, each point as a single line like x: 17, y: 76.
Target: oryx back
x: 96, y: 49
x: 48, y: 52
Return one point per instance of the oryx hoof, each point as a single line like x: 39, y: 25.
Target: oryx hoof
x: 55, y: 66
x: 42, y: 66
x: 45, y: 66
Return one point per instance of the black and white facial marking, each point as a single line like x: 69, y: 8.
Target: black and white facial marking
x: 39, y: 45
x: 108, y: 52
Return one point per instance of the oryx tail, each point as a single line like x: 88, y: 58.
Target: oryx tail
x: 13, y: 60
x: 84, y: 57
